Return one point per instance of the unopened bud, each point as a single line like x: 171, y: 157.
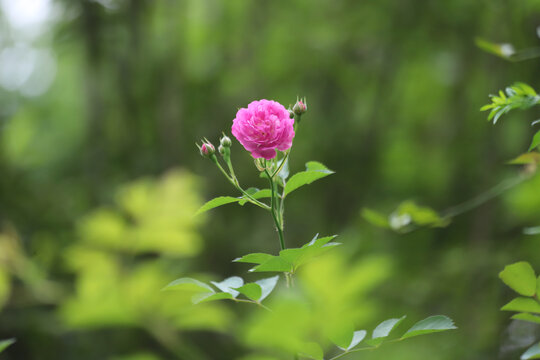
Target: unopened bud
x: 225, y: 141
x: 260, y: 164
x: 222, y: 150
x: 300, y: 107
x: 291, y: 113
x: 207, y: 149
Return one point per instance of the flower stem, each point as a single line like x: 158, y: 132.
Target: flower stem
x: 275, y: 208
x: 234, y: 181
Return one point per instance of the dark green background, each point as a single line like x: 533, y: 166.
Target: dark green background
x: 394, y: 90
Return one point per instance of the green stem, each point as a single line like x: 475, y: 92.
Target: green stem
x: 346, y: 352
x: 495, y: 191
x: 282, y: 164
x: 274, y: 209
x: 236, y: 184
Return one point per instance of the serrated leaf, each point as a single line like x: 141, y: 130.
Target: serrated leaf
x: 532, y: 353
x: 229, y: 284
x: 314, y: 171
x: 383, y: 329
x: 375, y: 218
x: 5, y: 343
x: 199, y: 298
x: 520, y: 277
x: 255, y: 258
x: 275, y: 263
x: 430, y: 325
x: 267, y: 285
x: 312, y: 351
x: 189, y: 284
x: 252, y: 291
x: 535, y: 141
x: 522, y: 304
x: 527, y: 317
x: 214, y: 203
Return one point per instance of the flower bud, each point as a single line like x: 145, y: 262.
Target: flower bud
x: 207, y: 149
x: 260, y: 164
x: 222, y: 150
x: 225, y: 141
x: 300, y: 107
x: 291, y: 113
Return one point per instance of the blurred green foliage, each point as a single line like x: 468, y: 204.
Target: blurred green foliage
x: 94, y: 221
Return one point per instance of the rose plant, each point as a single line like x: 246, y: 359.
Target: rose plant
x: 266, y: 129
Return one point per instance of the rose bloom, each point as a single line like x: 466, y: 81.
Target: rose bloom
x: 264, y: 127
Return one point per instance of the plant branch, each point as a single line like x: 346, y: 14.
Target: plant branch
x: 273, y: 210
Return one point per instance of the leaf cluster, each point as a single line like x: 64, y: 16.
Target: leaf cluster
x: 314, y: 171
x: 521, y: 278
x: 289, y: 259
x: 228, y: 289
x: 406, y: 217
x: 380, y: 334
x: 518, y: 96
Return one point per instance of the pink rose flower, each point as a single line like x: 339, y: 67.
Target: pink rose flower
x: 264, y: 127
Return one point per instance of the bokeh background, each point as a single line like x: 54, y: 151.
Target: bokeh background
x: 101, y: 103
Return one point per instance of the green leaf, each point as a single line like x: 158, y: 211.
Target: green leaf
x: 284, y: 172
x: 375, y: 218
x: 534, y: 230
x: 358, y: 336
x: 267, y: 286
x: 256, y: 194
x: 252, y: 291
x: 5, y: 343
x: 409, y: 211
x: 219, y: 201
x: 532, y: 353
x: 538, y: 285
x: 535, y: 141
x: 312, y: 351
x: 503, y: 50
x: 229, y: 284
x: 522, y: 304
x: 289, y: 259
x: 430, y: 325
x: 199, y: 298
x: 189, y: 284
x: 383, y: 329
x: 299, y: 256
x: 527, y: 317
x: 314, y: 171
x: 341, y: 334
x: 255, y: 258
x: 275, y: 263
x: 520, y: 277
x: 527, y: 158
